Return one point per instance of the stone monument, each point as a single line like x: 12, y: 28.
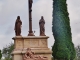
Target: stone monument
x: 38, y: 44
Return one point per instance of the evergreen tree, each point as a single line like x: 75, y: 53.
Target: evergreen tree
x: 63, y: 47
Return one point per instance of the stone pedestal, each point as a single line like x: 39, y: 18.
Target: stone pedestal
x: 38, y: 45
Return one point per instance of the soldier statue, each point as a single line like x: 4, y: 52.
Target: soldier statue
x: 17, y: 28
x: 42, y: 28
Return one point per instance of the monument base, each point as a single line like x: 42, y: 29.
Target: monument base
x: 38, y: 45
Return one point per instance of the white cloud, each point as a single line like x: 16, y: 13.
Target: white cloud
x: 1, y: 6
x: 2, y: 36
x: 74, y: 13
x: 12, y: 8
x: 76, y: 39
x: 5, y: 40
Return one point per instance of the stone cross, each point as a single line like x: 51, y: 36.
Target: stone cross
x: 30, y: 18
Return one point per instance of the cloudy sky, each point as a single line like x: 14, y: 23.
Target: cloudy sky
x: 10, y: 9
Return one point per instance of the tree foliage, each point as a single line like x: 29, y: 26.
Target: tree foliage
x: 63, y: 47
x: 0, y: 54
x: 7, y: 51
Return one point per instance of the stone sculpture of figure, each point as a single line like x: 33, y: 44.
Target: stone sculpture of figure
x: 42, y: 28
x: 30, y: 4
x: 17, y: 28
x: 29, y: 54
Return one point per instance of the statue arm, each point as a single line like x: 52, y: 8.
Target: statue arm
x: 39, y: 22
x: 21, y: 22
x: 43, y: 21
x: 15, y: 25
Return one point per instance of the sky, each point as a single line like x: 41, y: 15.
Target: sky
x: 10, y: 9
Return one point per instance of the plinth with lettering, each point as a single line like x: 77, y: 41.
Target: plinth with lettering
x: 38, y: 45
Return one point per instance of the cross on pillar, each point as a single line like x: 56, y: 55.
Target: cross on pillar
x: 30, y: 18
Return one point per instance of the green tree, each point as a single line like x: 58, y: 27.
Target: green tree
x: 63, y: 48
x: 6, y: 51
x: 0, y: 54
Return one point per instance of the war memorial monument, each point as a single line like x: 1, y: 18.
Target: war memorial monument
x: 30, y: 47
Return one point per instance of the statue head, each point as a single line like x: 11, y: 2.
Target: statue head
x: 42, y: 17
x: 18, y: 17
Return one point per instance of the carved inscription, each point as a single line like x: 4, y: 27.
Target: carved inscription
x: 44, y: 43
x: 26, y: 43
x: 19, y: 44
x: 34, y: 43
